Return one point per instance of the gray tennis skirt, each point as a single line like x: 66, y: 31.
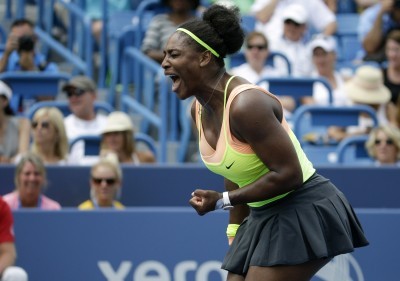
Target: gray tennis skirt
x: 314, y: 221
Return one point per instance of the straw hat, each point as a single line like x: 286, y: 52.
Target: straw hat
x: 367, y: 86
x: 118, y: 121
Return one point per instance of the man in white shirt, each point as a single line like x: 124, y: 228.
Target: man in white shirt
x: 269, y: 15
x: 292, y: 43
x: 82, y: 93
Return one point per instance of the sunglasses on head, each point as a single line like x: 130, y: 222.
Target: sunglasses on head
x: 44, y: 124
x: 258, y: 47
x: 292, y: 22
x: 74, y: 92
x: 109, y: 181
x: 388, y: 141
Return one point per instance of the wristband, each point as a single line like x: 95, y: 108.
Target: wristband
x: 224, y: 202
x: 227, y: 203
x: 232, y: 229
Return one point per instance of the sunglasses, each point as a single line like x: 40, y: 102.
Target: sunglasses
x: 258, y: 47
x: 109, y: 181
x: 388, y: 141
x: 44, y: 124
x: 293, y: 23
x: 74, y: 92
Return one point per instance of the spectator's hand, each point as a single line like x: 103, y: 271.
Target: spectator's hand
x: 336, y: 133
x: 387, y: 5
x: 203, y: 201
x: 11, y: 44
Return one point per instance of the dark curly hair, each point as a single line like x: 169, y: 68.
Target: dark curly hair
x: 220, y: 28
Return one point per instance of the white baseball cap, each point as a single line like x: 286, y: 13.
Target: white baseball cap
x: 5, y: 90
x: 296, y: 13
x: 327, y: 43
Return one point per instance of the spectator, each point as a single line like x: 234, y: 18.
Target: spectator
x: 375, y: 24
x: 20, y: 53
x: 269, y: 14
x: 323, y: 49
x: 118, y: 137
x: 8, y: 253
x: 383, y: 145
x: 363, y: 4
x: 163, y: 25
x: 293, y: 42
x: 256, y: 53
x: 14, y: 131
x: 30, y: 180
x: 50, y: 141
x: 391, y: 72
x: 105, y: 185
x: 366, y: 88
x: 82, y: 93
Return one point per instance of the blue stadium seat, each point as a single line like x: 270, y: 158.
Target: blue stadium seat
x: 352, y: 150
x: 99, y: 106
x: 310, y: 124
x: 92, y: 143
x: 30, y: 86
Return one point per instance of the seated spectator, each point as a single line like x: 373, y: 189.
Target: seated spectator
x: 375, y: 24
x: 14, y: 131
x: 269, y: 14
x: 391, y: 72
x: 323, y: 49
x: 366, y: 88
x: 8, y: 253
x: 118, y: 137
x: 293, y: 41
x: 82, y: 93
x: 256, y: 53
x: 20, y: 53
x: 383, y: 145
x: 105, y: 185
x: 50, y: 141
x: 163, y: 25
x: 30, y: 181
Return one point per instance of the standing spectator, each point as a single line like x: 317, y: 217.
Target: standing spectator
x: 118, y: 137
x: 293, y: 42
x: 8, y: 253
x: 30, y: 180
x: 20, y: 53
x: 50, y: 141
x: 323, y: 50
x: 82, y: 93
x: 383, y: 145
x: 391, y: 72
x: 105, y: 185
x: 256, y: 54
x: 269, y: 14
x: 14, y: 131
x: 163, y: 25
x: 375, y: 24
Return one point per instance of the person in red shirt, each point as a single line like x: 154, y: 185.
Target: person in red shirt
x: 8, y: 254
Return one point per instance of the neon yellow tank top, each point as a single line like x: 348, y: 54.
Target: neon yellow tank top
x: 235, y: 160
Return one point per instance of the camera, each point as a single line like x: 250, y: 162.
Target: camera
x: 26, y: 43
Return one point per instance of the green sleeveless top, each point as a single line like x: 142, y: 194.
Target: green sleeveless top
x: 235, y: 160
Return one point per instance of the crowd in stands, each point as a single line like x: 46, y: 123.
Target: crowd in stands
x: 303, y: 31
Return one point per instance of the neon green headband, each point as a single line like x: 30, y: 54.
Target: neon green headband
x: 198, y: 40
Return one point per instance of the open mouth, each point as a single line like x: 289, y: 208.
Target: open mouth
x: 175, y: 82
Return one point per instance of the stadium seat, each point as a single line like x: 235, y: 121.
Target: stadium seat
x: 100, y: 106
x: 92, y: 143
x: 352, y: 150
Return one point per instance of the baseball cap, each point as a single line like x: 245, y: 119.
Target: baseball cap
x: 5, y: 90
x: 81, y: 82
x: 327, y: 43
x: 296, y: 13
